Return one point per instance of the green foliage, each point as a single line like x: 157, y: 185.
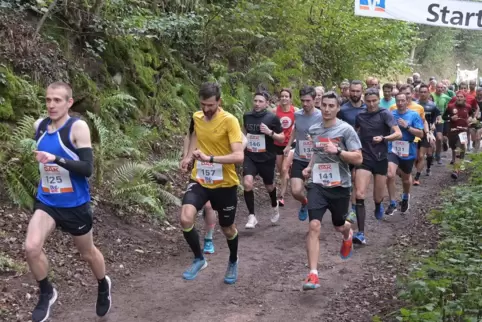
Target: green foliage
x: 447, y: 285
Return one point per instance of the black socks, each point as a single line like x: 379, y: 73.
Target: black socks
x: 360, y: 214
x: 272, y: 196
x: 45, y: 286
x: 249, y: 198
x: 233, y: 248
x: 192, y: 239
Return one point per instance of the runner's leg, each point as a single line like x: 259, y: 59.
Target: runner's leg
x: 363, y: 178
x: 297, y: 187
x: 391, y: 177
x: 420, y: 163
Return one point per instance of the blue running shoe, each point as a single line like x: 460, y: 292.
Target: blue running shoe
x: 231, y: 273
x: 208, y: 246
x: 359, y: 238
x: 380, y: 213
x: 196, y: 266
x: 303, y: 214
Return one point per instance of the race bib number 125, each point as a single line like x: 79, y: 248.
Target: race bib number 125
x: 55, y: 179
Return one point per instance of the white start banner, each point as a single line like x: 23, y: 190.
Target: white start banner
x: 467, y: 75
x: 442, y: 13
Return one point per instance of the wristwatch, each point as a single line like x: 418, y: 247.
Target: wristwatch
x: 211, y: 159
x: 339, y: 151
x: 408, y: 127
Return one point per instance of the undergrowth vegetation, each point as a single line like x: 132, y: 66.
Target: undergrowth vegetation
x: 447, y: 286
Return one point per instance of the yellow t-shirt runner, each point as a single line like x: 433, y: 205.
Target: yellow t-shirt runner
x: 215, y: 138
x: 414, y: 107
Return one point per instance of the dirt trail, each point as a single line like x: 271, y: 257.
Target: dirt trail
x: 271, y: 271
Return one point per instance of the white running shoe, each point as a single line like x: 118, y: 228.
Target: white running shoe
x: 252, y: 222
x: 275, y: 214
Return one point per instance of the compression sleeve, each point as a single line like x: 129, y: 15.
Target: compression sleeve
x: 83, y: 167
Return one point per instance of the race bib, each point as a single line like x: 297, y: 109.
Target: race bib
x: 327, y: 174
x: 256, y: 143
x: 55, y: 179
x: 463, y: 137
x: 401, y: 148
x: 210, y: 173
x: 306, y: 149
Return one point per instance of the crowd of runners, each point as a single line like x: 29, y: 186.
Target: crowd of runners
x: 326, y: 152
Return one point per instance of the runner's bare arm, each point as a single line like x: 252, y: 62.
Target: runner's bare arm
x: 292, y: 137
x: 417, y: 132
x: 245, y: 142
x: 236, y: 155
x: 396, y: 135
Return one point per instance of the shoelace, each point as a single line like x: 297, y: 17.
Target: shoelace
x: 231, y: 268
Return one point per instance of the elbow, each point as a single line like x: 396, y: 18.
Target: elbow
x: 89, y: 171
x: 358, y: 160
x: 239, y: 157
x: 399, y: 136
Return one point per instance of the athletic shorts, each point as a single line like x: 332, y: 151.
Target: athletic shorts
x: 320, y: 199
x: 297, y: 168
x: 446, y: 128
x: 76, y: 221
x: 454, y: 140
x: 405, y: 166
x: 264, y: 169
x: 375, y: 167
x: 423, y: 143
x: 439, y: 128
x: 223, y: 200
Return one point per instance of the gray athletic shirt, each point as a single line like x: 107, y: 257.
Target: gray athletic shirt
x: 303, y: 122
x: 334, y: 172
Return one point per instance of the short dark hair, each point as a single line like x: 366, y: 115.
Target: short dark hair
x: 423, y: 86
x: 331, y: 95
x: 405, y: 86
x: 308, y: 90
x: 388, y: 86
x: 287, y: 90
x: 356, y: 82
x: 400, y: 93
x: 208, y: 90
x: 263, y: 93
x: 372, y: 91
x: 463, y: 83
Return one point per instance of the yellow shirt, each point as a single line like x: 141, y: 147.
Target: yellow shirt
x: 214, y: 138
x: 414, y: 107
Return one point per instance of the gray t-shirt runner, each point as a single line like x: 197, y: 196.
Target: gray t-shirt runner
x: 303, y: 122
x: 329, y: 170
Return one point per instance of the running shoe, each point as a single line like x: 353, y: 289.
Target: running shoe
x: 275, y: 215
x: 404, y: 206
x: 42, y: 310
x: 429, y: 172
x: 208, y: 246
x: 391, y: 209
x: 231, y: 273
x: 347, y: 246
x: 303, y: 213
x: 311, y: 282
x: 455, y: 175
x: 359, y: 238
x: 196, y: 266
x: 281, y: 202
x: 252, y: 222
x: 104, y: 300
x: 351, y: 217
x: 380, y: 213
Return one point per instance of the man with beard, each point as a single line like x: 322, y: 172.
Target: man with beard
x: 402, y: 153
x: 442, y: 127
x: 213, y: 178
x: 432, y: 114
x: 458, y: 113
x: 304, y: 119
x: 348, y: 113
x: 262, y: 130
x: 374, y: 127
x: 286, y: 113
x: 470, y: 100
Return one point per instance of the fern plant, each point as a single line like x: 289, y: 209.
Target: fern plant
x: 19, y: 170
x: 134, y: 184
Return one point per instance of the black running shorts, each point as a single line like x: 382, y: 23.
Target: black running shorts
x: 423, y: 143
x: 375, y: 167
x: 76, y: 221
x: 223, y: 200
x: 405, y: 166
x: 297, y: 169
x: 336, y: 200
x: 264, y: 169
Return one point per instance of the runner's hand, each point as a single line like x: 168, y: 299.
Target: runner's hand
x: 264, y: 129
x: 330, y: 148
x: 454, y: 118
x: 44, y: 157
x: 430, y: 137
x: 306, y: 172
x: 184, y: 164
x: 402, y: 123
x: 198, y: 155
x: 377, y: 139
x: 286, y: 151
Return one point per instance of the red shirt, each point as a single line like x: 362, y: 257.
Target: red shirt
x: 469, y: 99
x: 463, y: 113
x: 287, y: 121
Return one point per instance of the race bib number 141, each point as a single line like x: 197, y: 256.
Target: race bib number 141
x: 327, y: 174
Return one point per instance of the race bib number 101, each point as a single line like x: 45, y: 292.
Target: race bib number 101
x: 55, y: 179
x: 210, y: 173
x: 327, y: 174
x: 401, y: 148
